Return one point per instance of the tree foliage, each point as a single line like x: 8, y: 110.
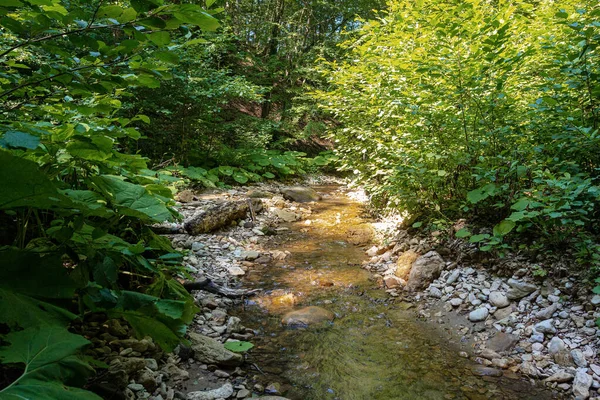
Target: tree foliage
x: 74, y: 206
x: 478, y: 109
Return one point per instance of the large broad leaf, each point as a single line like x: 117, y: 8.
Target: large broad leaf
x: 19, y: 310
x: 20, y: 139
x: 164, y: 320
x: 24, y: 185
x: 131, y: 199
x: 48, y: 355
x: 504, y: 227
x: 195, y: 15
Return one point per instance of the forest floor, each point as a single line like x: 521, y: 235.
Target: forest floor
x: 333, y: 318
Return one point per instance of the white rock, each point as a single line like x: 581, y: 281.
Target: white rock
x: 455, y: 302
x: 546, y: 326
x: 579, y: 358
x: 581, y: 385
x: 498, y: 299
x: 221, y: 393
x: 236, y: 271
x: 479, y: 314
x: 595, y: 300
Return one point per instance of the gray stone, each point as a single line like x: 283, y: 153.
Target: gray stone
x: 210, y: 351
x: 220, y: 393
x: 498, y: 299
x: 300, y: 194
x: 286, y: 215
x: 558, y: 350
x: 479, y: 314
x: 455, y: 302
x: 546, y: 326
x: 547, y: 312
x: 453, y: 277
x: 595, y: 299
x: 502, y: 341
x: 581, y: 385
x: 519, y: 289
x: 424, y: 270
x: 435, y: 292
x: 560, y: 377
x: 537, y: 338
x: 579, y: 358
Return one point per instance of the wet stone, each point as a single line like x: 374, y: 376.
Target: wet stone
x: 307, y: 316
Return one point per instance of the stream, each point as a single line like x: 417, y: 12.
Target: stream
x: 376, y: 348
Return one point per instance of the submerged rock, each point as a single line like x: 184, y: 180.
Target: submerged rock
x: 424, y: 270
x: 211, y: 351
x: 307, y: 316
x: 480, y: 370
x: 300, y: 194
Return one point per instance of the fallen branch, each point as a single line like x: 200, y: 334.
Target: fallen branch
x: 209, y: 286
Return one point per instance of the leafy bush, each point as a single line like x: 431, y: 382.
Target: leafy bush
x: 74, y: 207
x: 481, y: 110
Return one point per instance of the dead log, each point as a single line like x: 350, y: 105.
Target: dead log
x: 209, y: 286
x: 220, y: 215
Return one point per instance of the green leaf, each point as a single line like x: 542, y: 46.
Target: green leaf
x: 463, y: 233
x: 479, y: 238
x: 417, y: 224
x: 24, y: 185
x: 520, y: 205
x: 49, y: 357
x: 192, y: 14
x: 238, y: 346
x: 160, y: 38
x: 18, y: 310
x: 240, y: 178
x: 131, y: 199
x: 504, y: 227
x: 166, y: 56
x: 268, y: 175
x: 16, y: 139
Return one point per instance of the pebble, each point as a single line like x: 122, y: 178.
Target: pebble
x: 479, y: 314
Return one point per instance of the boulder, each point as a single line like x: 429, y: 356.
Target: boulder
x: 404, y: 263
x: 307, y: 316
x: 300, y: 194
x: 211, y: 351
x: 424, y: 270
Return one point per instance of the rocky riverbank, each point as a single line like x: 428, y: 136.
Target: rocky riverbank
x: 203, y: 369
x: 510, y: 326
x: 542, y: 328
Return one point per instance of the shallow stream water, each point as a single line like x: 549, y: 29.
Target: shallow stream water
x: 376, y: 348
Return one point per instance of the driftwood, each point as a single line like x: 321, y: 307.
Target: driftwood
x: 220, y: 215
x: 209, y: 286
